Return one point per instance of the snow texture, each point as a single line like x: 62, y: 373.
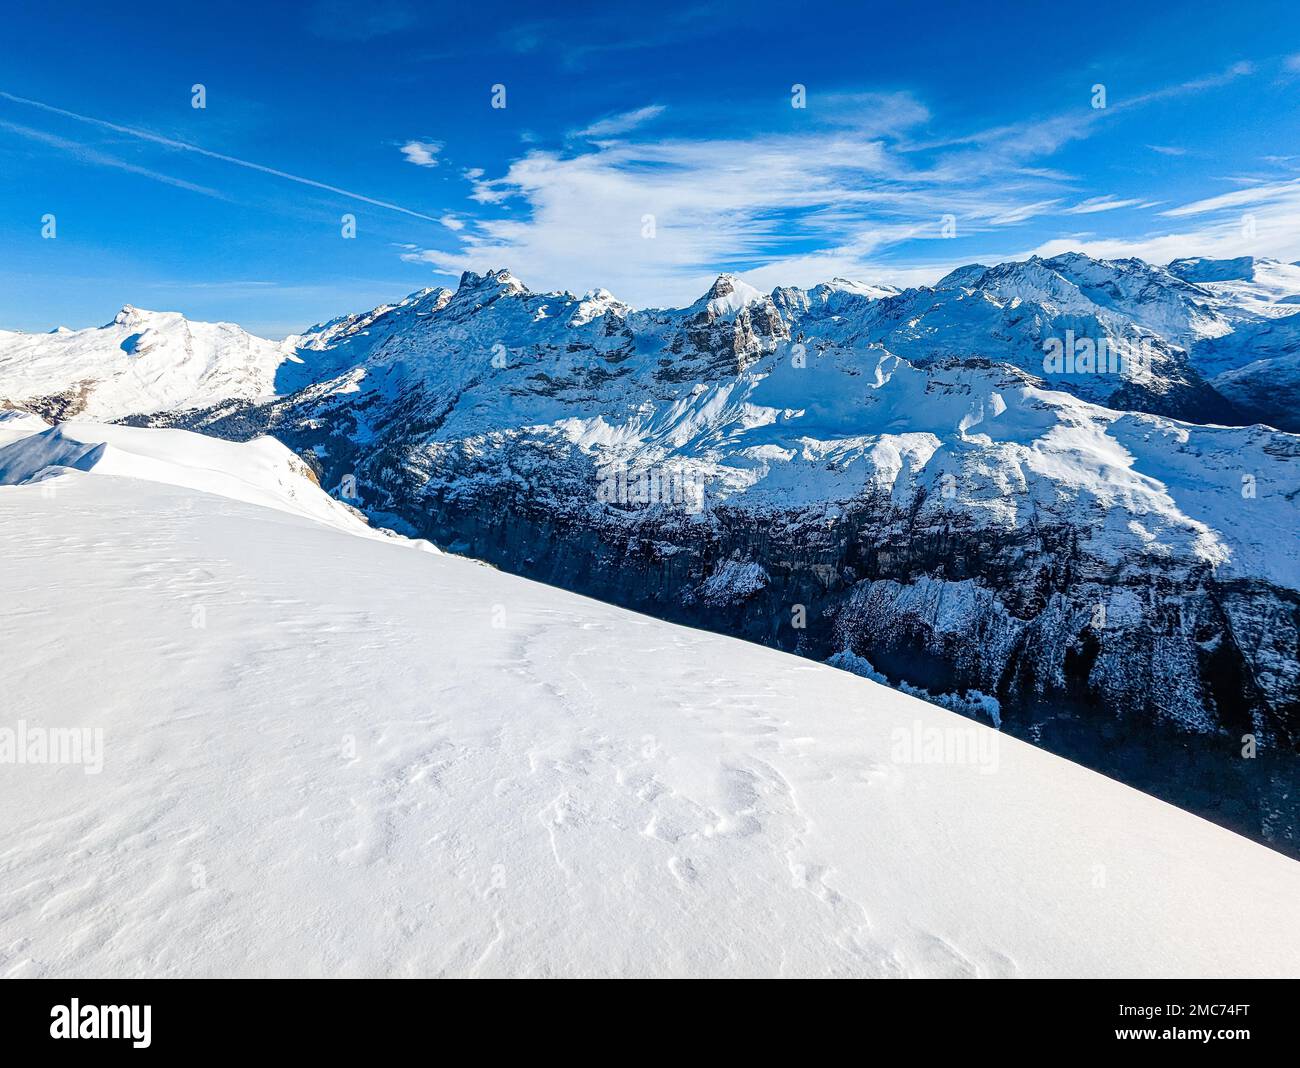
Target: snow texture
x: 335, y: 755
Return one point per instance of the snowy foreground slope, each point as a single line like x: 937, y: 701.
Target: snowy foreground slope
x: 326, y: 754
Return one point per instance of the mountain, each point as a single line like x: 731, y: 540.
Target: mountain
x: 141, y: 362
x: 894, y: 481
x: 337, y: 755
x: 1245, y: 287
x: 1140, y: 320
x: 1256, y: 365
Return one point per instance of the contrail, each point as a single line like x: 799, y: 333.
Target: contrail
x: 90, y: 155
x: 185, y: 146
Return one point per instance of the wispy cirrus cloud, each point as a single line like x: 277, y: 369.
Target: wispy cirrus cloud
x: 1259, y: 220
x: 621, y: 123
x: 1259, y: 193
x: 336, y: 20
x: 1038, y: 137
x: 185, y: 146
x: 578, y: 41
x: 1094, y: 205
x: 1022, y: 212
x: 655, y: 218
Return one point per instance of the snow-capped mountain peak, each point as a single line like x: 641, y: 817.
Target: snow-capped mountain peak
x: 498, y: 282
x: 871, y: 290
x: 727, y: 296
x: 139, y: 363
x: 130, y: 315
x: 596, y: 303
x: 1007, y: 312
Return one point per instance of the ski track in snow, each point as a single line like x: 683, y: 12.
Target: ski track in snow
x: 348, y: 770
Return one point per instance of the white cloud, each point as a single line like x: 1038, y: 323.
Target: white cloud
x: 422, y: 153
x: 1168, y: 150
x: 1106, y: 203
x: 831, y: 198
x: 1257, y: 195
x: 452, y: 223
x: 1264, y: 193
x: 621, y: 123
x: 1024, y: 211
x: 795, y: 207
x: 1042, y: 136
x: 1270, y: 229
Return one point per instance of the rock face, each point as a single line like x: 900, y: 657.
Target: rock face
x: 901, y: 481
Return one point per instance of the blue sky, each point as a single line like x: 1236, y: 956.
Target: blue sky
x: 383, y: 110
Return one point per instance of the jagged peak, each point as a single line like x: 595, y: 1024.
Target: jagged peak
x: 724, y: 285
x: 595, y: 303
x: 1073, y: 268
x: 728, y: 295
x: 500, y: 279
x: 436, y: 295
x: 130, y: 315
x: 1075, y: 259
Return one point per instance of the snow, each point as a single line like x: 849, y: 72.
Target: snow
x: 983, y: 442
x: 871, y: 290
x: 15, y: 425
x: 141, y: 362
x: 335, y: 755
x: 733, y: 581
x: 728, y: 296
x: 756, y: 430
x: 1246, y: 286
x: 261, y: 471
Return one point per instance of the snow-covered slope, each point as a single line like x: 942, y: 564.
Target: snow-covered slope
x: 141, y: 362
x: 260, y: 472
x: 332, y: 755
x: 1245, y: 287
x: 15, y: 425
x: 1256, y: 365
x: 1271, y: 385
x: 349, y: 338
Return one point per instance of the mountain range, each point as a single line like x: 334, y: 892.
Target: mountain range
x: 1059, y: 494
